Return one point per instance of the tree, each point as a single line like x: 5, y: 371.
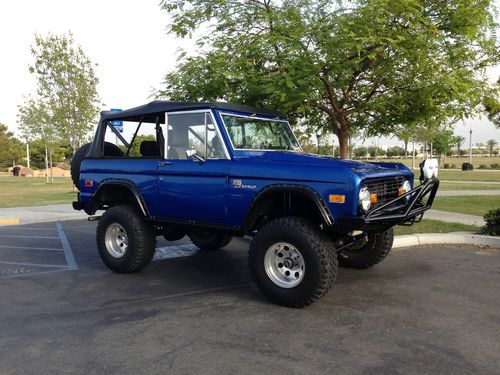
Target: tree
x: 405, y: 134
x: 36, y: 122
x: 396, y: 151
x: 443, y: 141
x: 492, y: 106
x: 360, y: 152
x: 370, y: 65
x: 491, y: 144
x: 66, y: 86
x: 458, y: 142
x: 11, y: 150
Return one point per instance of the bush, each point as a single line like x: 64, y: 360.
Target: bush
x: 483, y: 166
x: 446, y: 166
x: 495, y: 166
x: 492, y: 226
x: 453, y: 166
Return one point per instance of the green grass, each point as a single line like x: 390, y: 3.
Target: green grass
x: 34, y: 191
x: 493, y: 176
x: 434, y: 226
x: 476, y: 161
x: 472, y: 205
x: 444, y: 185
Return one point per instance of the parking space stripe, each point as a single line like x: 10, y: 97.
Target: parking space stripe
x: 8, y: 236
x: 31, y: 248
x: 26, y: 228
x: 33, y: 273
x: 33, y: 264
x: 70, y: 258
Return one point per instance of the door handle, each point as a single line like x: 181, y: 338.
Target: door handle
x: 164, y: 163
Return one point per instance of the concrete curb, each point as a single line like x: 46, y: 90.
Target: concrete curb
x: 9, y: 221
x: 469, y: 238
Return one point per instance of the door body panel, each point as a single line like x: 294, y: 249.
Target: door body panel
x: 193, y: 191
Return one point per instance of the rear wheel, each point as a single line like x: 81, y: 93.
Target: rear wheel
x: 209, y: 240
x: 371, y: 251
x: 292, y: 262
x: 126, y: 243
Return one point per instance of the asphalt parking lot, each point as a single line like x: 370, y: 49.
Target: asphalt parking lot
x: 422, y: 310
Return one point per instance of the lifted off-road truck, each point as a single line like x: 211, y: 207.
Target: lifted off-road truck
x: 212, y: 171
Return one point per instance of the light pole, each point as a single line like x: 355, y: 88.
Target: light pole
x: 470, y: 145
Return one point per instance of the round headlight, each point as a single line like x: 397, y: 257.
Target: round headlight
x: 406, y: 186
x: 364, y: 199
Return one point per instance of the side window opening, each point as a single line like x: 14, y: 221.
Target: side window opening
x: 137, y: 140
x: 188, y: 132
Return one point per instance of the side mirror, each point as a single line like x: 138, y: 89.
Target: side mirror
x: 428, y: 169
x: 191, y: 154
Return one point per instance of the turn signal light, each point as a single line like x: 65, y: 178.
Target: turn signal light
x: 336, y: 198
x: 401, y: 191
x: 373, y: 198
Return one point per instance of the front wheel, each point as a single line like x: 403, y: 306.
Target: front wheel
x: 292, y: 262
x: 126, y: 243
x: 370, y: 251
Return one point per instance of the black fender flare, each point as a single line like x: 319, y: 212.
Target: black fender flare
x: 128, y: 185
x: 321, y: 206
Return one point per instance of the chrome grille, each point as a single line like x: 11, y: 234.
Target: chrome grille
x: 386, y: 189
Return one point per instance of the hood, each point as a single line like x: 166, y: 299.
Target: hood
x: 300, y: 159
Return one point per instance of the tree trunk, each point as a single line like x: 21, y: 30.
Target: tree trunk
x: 343, y: 144
x: 406, y: 149
x: 413, y: 154
x: 317, y: 142
x: 51, y: 171
x: 46, y: 165
x: 27, y: 154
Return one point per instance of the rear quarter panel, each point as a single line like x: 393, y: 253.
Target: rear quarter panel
x: 141, y: 172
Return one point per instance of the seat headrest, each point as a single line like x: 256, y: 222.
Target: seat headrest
x: 149, y: 148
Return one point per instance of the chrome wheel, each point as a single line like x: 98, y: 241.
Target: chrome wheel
x: 284, y: 265
x: 116, y: 240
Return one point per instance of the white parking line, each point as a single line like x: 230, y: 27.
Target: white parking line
x: 8, y: 236
x: 70, y: 258
x: 32, y: 264
x: 26, y: 228
x: 68, y: 253
x: 30, y: 248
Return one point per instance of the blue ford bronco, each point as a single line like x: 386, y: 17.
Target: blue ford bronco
x: 212, y: 171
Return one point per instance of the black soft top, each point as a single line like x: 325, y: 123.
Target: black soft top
x: 156, y: 109
x: 150, y: 111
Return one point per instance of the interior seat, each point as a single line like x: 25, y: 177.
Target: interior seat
x: 149, y: 148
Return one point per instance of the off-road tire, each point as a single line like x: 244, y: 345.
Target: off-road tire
x: 209, y: 240
x: 320, y: 261
x: 141, y: 239
x: 76, y: 161
x: 109, y: 149
x: 374, y: 251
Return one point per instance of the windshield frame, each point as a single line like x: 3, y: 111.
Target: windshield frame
x: 257, y: 117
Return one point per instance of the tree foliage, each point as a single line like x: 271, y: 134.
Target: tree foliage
x: 492, y: 106
x: 491, y: 145
x: 443, y: 141
x: 11, y: 150
x: 66, y: 99
x: 369, y: 65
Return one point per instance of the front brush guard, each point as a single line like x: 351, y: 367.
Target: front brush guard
x: 404, y: 210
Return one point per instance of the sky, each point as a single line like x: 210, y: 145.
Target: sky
x: 128, y: 41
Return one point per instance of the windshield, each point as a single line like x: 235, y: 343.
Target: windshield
x: 252, y: 133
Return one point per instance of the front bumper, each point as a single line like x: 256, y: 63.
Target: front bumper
x: 406, y: 210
